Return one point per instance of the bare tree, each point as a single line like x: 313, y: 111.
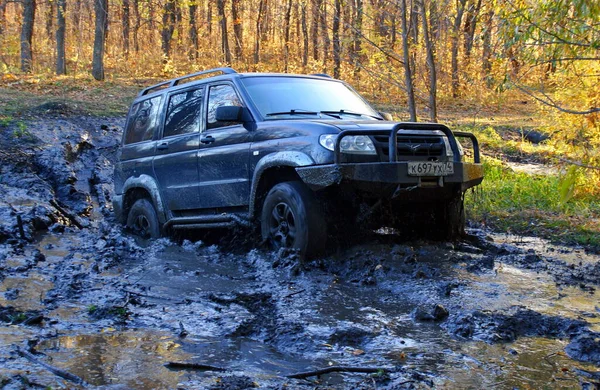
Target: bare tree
x: 224, y: 37
x: 286, y: 34
x: 193, y: 32
x: 101, y: 12
x: 2, y: 15
x: 460, y: 8
x: 337, y: 48
x: 324, y: 33
x: 125, y: 26
x: 429, y: 46
x: 168, y: 27
x: 470, y: 26
x: 314, y: 29
x: 304, y: 36
x: 257, y: 39
x: 136, y: 25
x: 408, y: 75
x: 49, y: 14
x: 486, y: 56
x: 238, y: 28
x: 27, y: 35
x: 357, y: 35
x: 61, y: 66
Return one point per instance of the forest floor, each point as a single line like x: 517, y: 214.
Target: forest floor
x: 102, y: 308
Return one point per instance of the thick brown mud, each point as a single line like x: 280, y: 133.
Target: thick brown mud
x: 87, y: 298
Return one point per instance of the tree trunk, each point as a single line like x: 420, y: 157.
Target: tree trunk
x: 50, y: 19
x: 61, y: 66
x: 469, y: 28
x: 314, y: 30
x: 224, y: 37
x: 460, y: 8
x: 337, y: 47
x: 27, y: 35
x: 76, y: 12
x: 101, y: 12
x: 304, y: 36
x: 325, y: 33
x: 238, y: 28
x: 193, y: 32
x: 2, y: 16
x: 286, y: 35
x: 357, y: 36
x: 125, y: 27
x: 429, y: 46
x: 168, y: 27
x: 410, y: 92
x: 413, y: 33
x: 209, y: 16
x: 257, y: 38
x: 486, y: 57
x: 136, y: 25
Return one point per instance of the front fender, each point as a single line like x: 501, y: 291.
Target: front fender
x: 291, y: 159
x: 147, y: 183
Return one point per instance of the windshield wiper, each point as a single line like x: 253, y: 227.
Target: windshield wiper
x: 293, y: 112
x: 347, y: 112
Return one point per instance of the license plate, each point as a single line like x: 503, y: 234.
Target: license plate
x: 429, y: 168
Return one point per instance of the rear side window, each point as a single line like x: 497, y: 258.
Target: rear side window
x: 143, y: 120
x: 183, y: 114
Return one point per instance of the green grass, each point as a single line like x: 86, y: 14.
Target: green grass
x: 527, y: 204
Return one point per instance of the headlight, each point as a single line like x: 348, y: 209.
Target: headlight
x: 355, y: 144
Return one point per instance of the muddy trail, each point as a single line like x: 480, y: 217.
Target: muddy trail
x: 83, y: 303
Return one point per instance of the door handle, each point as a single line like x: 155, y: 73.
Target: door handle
x: 163, y: 146
x: 209, y: 139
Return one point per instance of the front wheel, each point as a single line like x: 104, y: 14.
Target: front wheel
x: 292, y: 218
x: 451, y: 217
x: 142, y: 219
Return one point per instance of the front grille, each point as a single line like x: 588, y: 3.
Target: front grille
x: 410, y: 146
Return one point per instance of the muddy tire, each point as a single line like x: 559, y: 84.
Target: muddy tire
x: 292, y: 218
x: 451, y: 217
x: 142, y: 219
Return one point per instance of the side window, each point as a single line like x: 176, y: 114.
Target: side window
x: 220, y: 95
x: 143, y: 120
x: 183, y: 113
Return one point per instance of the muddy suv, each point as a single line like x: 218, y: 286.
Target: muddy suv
x: 300, y: 156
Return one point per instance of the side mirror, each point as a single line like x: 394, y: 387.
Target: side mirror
x: 229, y: 114
x: 387, y: 116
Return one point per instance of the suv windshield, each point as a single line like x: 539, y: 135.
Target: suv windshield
x: 280, y: 96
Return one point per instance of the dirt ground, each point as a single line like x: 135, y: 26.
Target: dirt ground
x: 84, y: 304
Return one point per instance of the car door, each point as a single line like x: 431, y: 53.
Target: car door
x: 139, y: 140
x: 223, y: 154
x: 175, y: 161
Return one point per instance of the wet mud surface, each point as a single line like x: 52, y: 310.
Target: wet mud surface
x: 85, y: 297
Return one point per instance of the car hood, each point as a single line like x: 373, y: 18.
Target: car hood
x: 365, y: 125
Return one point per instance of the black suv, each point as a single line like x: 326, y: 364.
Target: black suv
x: 300, y: 156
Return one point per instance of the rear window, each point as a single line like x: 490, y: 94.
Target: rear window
x: 143, y: 120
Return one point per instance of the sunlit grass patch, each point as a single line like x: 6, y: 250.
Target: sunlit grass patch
x: 527, y: 204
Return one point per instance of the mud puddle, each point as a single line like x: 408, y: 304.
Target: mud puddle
x: 82, y: 295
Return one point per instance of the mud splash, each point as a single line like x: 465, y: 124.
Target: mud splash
x: 89, y: 299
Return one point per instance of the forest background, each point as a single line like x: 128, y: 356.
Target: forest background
x: 511, y: 71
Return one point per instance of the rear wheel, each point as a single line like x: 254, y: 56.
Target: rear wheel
x: 292, y: 218
x: 142, y: 219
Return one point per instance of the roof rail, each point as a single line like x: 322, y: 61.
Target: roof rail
x: 322, y: 75
x: 176, y: 81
